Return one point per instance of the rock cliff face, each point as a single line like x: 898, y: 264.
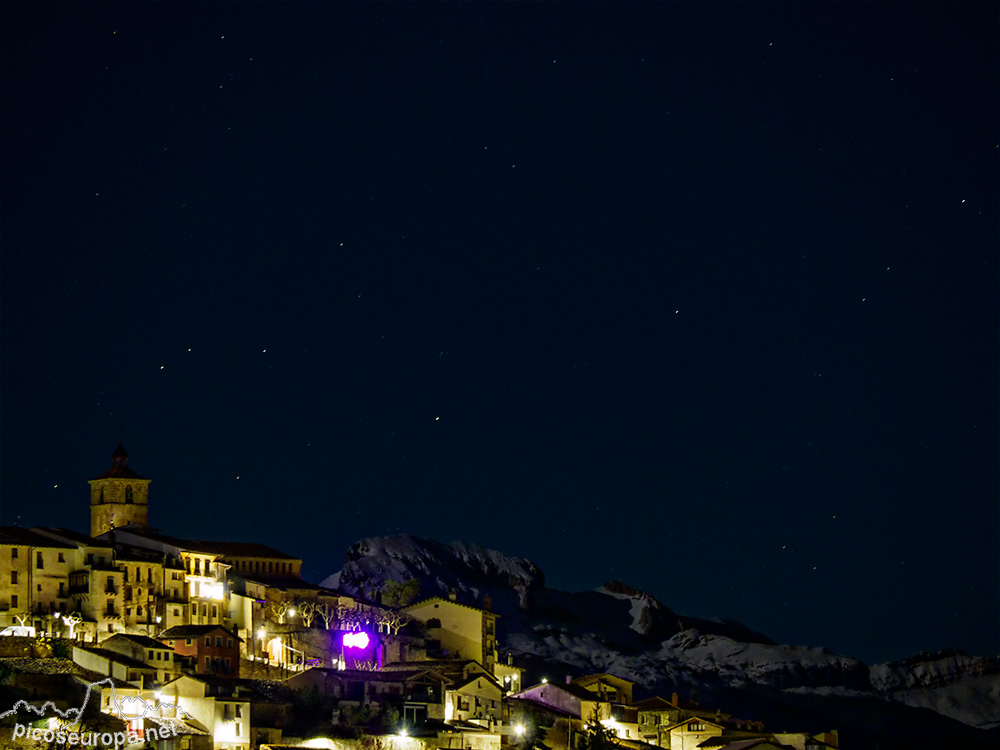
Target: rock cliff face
x: 620, y: 629
x: 468, y: 569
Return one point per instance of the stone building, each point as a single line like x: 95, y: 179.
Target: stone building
x: 118, y: 497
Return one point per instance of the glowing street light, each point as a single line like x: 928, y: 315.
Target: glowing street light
x: 519, y: 730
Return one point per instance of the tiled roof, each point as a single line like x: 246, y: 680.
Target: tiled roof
x: 16, y: 536
x: 176, y: 726
x: 190, y: 631
x: 542, y: 707
x: 119, y: 472
x: 656, y: 703
x: 114, y: 656
x: 728, y: 743
x: 442, y: 599
x: 236, y: 549
x: 224, y: 549
x: 467, y: 726
x: 284, y: 583
x: 574, y: 690
x: 68, y: 535
x: 119, y: 466
x: 699, y: 719
x: 590, y: 679
x: 477, y: 676
x: 143, y: 640
x: 444, y: 666
x: 396, y: 675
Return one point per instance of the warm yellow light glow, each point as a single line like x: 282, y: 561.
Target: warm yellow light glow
x: 226, y: 732
x: 211, y: 590
x: 545, y: 680
x: 519, y: 729
x: 325, y: 743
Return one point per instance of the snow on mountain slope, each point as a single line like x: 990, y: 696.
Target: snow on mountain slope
x: 950, y: 682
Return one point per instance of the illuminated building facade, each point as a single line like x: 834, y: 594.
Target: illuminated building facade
x: 209, y: 649
x: 118, y: 497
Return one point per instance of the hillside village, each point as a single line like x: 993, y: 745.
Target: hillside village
x: 219, y: 645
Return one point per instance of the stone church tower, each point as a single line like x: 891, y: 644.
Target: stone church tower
x: 118, y: 497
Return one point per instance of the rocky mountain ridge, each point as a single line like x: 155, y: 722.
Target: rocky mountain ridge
x: 620, y: 629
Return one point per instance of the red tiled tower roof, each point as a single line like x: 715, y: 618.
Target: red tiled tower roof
x: 119, y: 466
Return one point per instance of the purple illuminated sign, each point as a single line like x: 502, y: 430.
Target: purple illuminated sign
x: 356, y: 640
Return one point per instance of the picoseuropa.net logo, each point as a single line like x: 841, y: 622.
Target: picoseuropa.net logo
x: 61, y: 722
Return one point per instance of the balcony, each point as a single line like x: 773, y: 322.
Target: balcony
x: 111, y: 589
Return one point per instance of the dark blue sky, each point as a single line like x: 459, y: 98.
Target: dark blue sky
x: 698, y: 296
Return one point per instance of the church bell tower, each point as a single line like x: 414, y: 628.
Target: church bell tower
x: 118, y: 497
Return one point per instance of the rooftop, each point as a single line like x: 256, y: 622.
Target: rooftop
x: 141, y: 640
x: 187, y: 631
x: 71, y: 536
x: 116, y: 657
x: 16, y: 536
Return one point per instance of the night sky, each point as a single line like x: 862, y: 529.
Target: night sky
x: 702, y: 297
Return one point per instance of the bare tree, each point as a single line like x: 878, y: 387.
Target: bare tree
x: 351, y: 619
x: 71, y: 621
x: 325, y: 612
x: 277, y: 611
x: 390, y: 620
x: 307, y: 611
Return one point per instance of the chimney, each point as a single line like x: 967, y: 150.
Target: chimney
x: 452, y: 596
x: 487, y: 603
x: 674, y: 700
x: 569, y: 679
